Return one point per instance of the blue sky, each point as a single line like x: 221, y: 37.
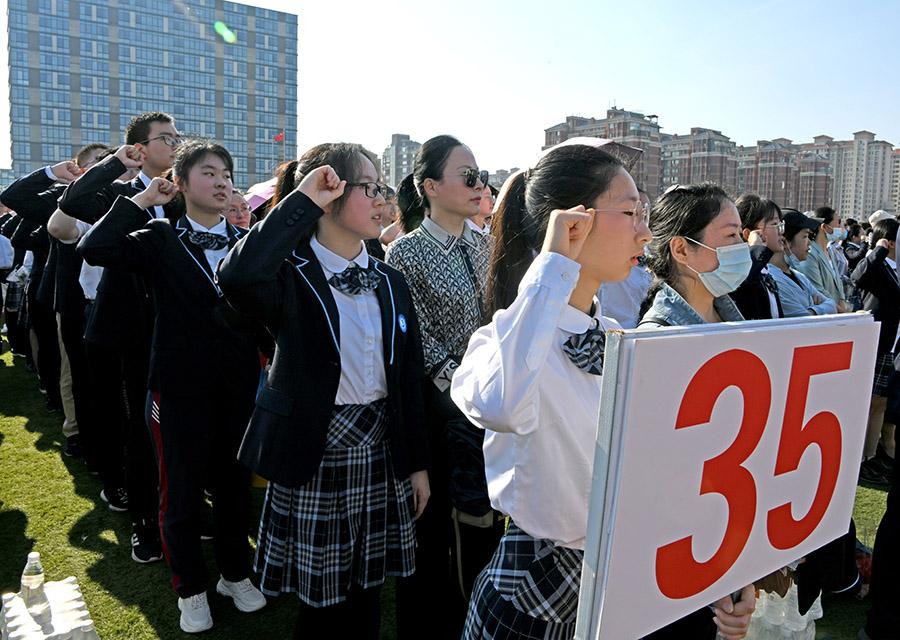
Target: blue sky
x: 496, y: 74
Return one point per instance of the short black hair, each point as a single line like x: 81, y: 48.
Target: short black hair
x: 827, y: 214
x: 86, y: 150
x: 754, y: 209
x: 192, y: 152
x: 886, y: 229
x: 138, y: 129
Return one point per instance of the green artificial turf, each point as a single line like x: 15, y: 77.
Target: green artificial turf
x: 50, y: 503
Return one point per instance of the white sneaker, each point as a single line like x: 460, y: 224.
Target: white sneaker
x: 246, y: 597
x: 195, y: 616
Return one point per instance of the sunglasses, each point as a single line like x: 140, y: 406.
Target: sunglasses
x: 372, y: 189
x: 471, y: 176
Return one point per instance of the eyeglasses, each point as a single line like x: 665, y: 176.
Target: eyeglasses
x: 471, y: 176
x: 169, y: 141
x: 777, y: 225
x: 373, y: 189
x: 640, y: 214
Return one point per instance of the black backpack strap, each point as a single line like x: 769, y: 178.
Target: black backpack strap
x: 654, y: 320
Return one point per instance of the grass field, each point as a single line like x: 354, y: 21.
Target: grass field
x: 50, y: 503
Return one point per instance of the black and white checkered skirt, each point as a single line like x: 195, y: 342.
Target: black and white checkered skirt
x: 529, y: 591
x: 884, y: 371
x: 352, y: 524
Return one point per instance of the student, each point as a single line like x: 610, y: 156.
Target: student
x: 698, y: 257
x: 338, y: 426
x: 204, y: 370
x: 121, y: 319
x: 819, y: 267
x: 757, y: 296
x: 876, y: 276
x: 797, y: 294
x: 532, y: 378
x: 445, y: 263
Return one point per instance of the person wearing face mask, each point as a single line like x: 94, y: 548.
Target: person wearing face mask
x: 757, y: 298
x: 819, y: 266
x: 799, y: 297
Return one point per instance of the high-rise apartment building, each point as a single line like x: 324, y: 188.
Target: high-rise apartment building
x: 80, y: 69
x: 399, y: 159
x: 862, y: 176
x: 626, y: 127
x: 895, y: 180
x: 703, y: 155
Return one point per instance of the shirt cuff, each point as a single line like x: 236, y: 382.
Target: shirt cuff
x: 552, y: 270
x: 49, y: 172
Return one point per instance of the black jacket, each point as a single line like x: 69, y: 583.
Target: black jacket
x: 881, y: 294
x: 752, y: 297
x: 200, y: 344
x: 123, y: 310
x: 273, y: 274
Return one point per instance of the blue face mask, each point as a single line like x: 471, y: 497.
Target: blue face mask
x: 734, y: 267
x: 836, y: 234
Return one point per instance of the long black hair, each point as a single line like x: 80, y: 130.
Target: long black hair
x: 683, y: 211
x: 412, y: 212
x: 431, y: 160
x: 564, y: 178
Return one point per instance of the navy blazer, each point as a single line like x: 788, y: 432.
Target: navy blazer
x: 272, y: 274
x: 881, y: 294
x: 200, y: 344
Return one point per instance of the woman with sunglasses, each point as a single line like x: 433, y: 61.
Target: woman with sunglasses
x: 338, y: 426
x: 445, y: 262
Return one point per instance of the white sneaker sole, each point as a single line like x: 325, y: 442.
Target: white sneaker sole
x: 138, y: 560
x: 187, y: 627
x: 222, y: 590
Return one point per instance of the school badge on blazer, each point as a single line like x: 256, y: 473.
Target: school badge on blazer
x: 401, y: 322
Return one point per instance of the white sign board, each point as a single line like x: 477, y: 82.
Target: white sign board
x: 733, y: 451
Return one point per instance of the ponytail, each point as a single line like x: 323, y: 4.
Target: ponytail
x: 512, y: 252
x: 284, y: 183
x: 412, y: 209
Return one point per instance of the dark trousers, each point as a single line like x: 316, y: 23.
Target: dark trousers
x: 884, y: 616
x: 141, y: 469
x: 449, y: 554
x: 196, y: 439
x: 696, y: 626
x: 43, y: 323
x: 105, y: 395
x: 358, y: 617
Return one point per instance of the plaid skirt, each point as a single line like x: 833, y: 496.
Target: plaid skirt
x: 884, y: 370
x: 529, y: 591
x: 350, y: 525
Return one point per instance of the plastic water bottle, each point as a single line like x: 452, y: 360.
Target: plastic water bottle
x: 33, y: 586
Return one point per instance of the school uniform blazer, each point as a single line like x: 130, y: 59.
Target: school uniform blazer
x: 272, y: 274
x: 881, y: 291
x: 199, y: 343
x: 123, y: 310
x: 752, y: 296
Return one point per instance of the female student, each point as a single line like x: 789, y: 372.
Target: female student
x: 820, y: 266
x: 338, y: 426
x: 204, y: 370
x: 532, y: 378
x: 445, y: 262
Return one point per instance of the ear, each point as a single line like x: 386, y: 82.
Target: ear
x: 745, y: 234
x: 678, y: 247
x: 429, y: 187
x: 179, y: 183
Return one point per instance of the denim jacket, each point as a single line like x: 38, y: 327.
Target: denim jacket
x: 670, y: 309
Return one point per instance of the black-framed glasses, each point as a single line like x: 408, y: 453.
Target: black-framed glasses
x: 372, y: 189
x: 169, y: 141
x: 471, y: 176
x: 640, y: 214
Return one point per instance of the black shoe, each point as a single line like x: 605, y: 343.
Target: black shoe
x: 870, y: 473
x: 73, y: 447
x: 884, y: 460
x: 116, y: 499
x: 145, y: 544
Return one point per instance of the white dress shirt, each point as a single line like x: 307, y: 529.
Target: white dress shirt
x: 486, y: 231
x: 213, y: 256
x: 540, y: 410
x: 157, y: 209
x: 363, y: 379
x: 90, y: 275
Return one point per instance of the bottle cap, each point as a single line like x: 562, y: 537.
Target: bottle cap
x: 34, y: 556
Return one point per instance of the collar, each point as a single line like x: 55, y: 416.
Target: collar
x: 445, y: 240
x: 143, y: 177
x: 332, y: 262
x: 891, y: 263
x: 574, y: 320
x: 220, y: 229
x: 669, y: 304
x: 474, y: 227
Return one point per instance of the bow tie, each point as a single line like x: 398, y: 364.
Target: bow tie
x: 769, y: 282
x: 586, y: 349
x: 354, y: 280
x: 208, y: 241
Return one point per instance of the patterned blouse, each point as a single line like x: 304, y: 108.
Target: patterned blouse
x: 446, y: 276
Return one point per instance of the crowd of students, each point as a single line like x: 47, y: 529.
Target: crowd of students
x: 415, y: 372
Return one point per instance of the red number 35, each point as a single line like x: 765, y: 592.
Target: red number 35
x: 678, y: 573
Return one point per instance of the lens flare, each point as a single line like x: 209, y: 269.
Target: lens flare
x: 227, y: 34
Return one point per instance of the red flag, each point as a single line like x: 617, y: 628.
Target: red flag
x: 279, y: 137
